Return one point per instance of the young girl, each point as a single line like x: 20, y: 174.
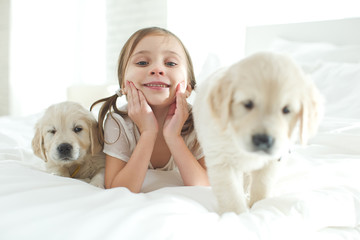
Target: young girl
x: 155, y: 129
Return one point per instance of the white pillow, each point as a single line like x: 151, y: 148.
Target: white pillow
x: 340, y: 85
x: 335, y: 70
x: 308, y: 54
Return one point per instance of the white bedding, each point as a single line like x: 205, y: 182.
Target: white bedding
x: 317, y: 197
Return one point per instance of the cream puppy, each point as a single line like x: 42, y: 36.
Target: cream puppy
x: 66, y: 139
x: 245, y: 118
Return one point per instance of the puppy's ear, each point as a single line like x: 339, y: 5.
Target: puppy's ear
x: 311, y: 113
x: 96, y: 146
x: 220, y: 100
x: 38, y: 143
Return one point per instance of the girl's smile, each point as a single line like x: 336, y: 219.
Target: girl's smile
x: 156, y: 85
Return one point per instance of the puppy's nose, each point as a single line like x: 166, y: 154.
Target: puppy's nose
x: 64, y: 149
x: 263, y: 141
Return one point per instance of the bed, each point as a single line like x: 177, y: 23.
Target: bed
x: 317, y: 196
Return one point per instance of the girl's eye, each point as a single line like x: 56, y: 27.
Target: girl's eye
x: 77, y: 129
x: 170, y: 64
x: 142, y: 63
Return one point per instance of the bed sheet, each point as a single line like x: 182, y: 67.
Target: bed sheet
x: 317, y: 197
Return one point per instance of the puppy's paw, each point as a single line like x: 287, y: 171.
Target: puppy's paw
x: 87, y: 180
x: 97, y: 183
x: 58, y: 171
x: 98, y: 179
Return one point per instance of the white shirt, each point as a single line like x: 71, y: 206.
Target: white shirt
x: 121, y: 144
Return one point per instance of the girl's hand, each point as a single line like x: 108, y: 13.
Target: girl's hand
x: 139, y: 110
x: 177, y: 114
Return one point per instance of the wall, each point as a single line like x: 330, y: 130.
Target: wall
x: 60, y: 43
x: 123, y: 18
x: 54, y: 44
x: 4, y: 56
x: 213, y: 32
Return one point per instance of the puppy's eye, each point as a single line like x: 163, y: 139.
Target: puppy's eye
x: 77, y: 129
x: 286, y: 110
x: 249, y: 105
x: 52, y: 131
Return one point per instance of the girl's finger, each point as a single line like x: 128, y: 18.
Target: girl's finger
x: 180, y: 101
x: 183, y: 86
x: 128, y: 92
x: 135, y: 94
x: 184, y: 101
x: 172, y: 109
x: 142, y: 99
x: 125, y: 88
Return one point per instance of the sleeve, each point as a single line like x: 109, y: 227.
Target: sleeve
x: 118, y: 138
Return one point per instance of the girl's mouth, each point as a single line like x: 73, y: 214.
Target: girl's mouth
x: 156, y: 85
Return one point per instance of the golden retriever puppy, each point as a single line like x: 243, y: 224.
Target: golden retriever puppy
x: 246, y: 117
x: 66, y: 139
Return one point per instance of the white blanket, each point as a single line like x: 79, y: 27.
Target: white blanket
x: 318, y: 197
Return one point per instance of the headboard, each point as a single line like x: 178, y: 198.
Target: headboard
x: 340, y: 32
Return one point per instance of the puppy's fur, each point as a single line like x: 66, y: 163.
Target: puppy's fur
x: 245, y: 117
x: 66, y: 139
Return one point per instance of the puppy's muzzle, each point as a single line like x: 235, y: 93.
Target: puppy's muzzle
x: 263, y: 142
x: 65, y: 151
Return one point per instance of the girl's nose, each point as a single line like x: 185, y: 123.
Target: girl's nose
x: 157, y: 71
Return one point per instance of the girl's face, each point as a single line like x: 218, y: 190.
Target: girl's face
x: 156, y: 67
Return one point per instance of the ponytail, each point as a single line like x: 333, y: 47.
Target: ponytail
x: 108, y: 106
